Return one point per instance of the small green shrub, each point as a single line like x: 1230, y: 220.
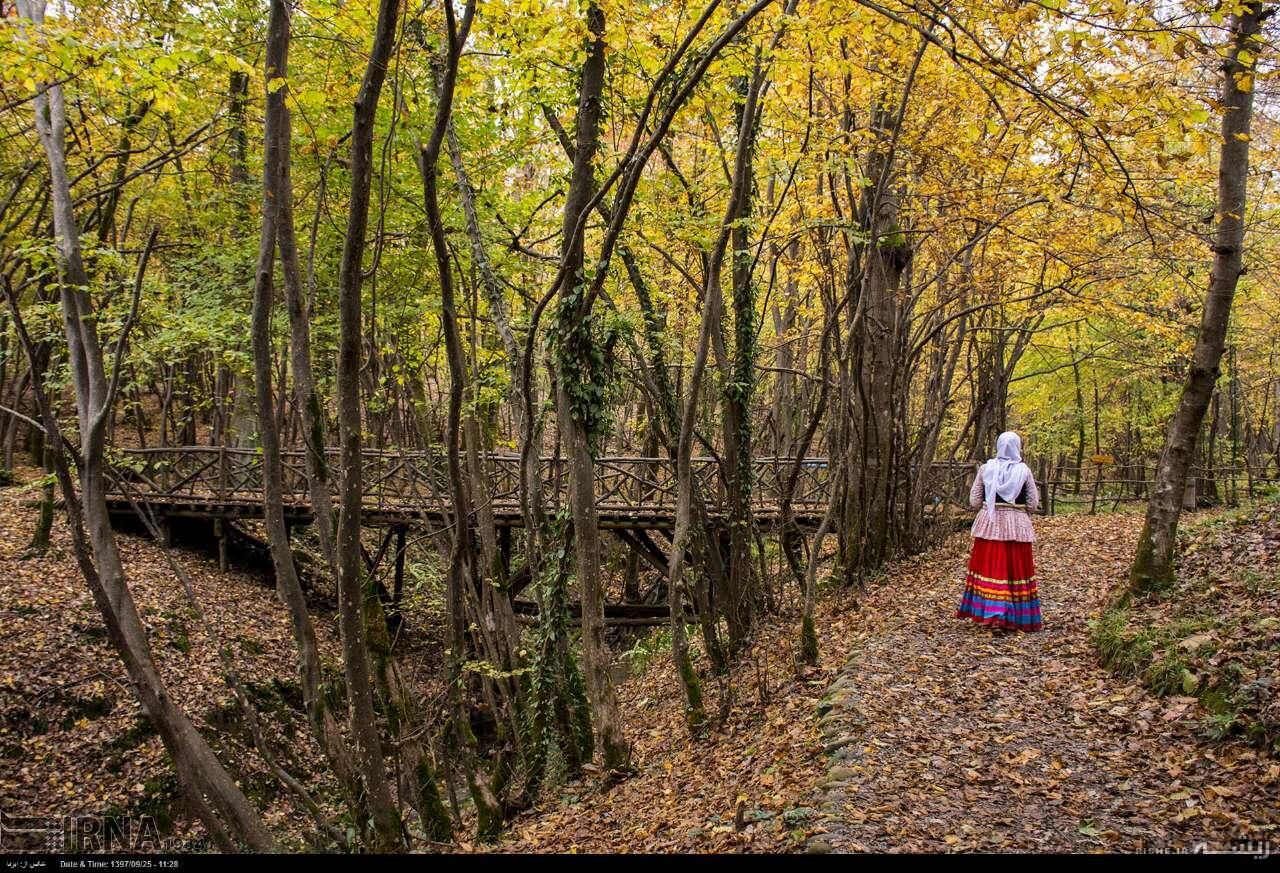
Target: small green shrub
x: 1124, y: 652
x: 1169, y: 674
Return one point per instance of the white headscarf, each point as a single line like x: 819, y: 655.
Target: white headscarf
x: 1004, y: 475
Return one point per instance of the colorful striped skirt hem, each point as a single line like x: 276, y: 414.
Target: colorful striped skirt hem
x: 1000, y: 589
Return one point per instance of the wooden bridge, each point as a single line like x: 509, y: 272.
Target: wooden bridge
x: 635, y: 502
x: 412, y: 487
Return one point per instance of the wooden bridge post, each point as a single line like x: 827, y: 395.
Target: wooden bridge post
x: 219, y: 532
x: 504, y: 551
x: 1044, y: 480
x: 398, y: 584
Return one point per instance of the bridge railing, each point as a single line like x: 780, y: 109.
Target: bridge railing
x: 405, y: 479
x: 410, y: 480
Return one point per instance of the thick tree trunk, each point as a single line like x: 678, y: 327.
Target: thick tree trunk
x: 1153, y: 563
x: 870, y: 394
x: 886, y: 258
x: 574, y: 327
x: 743, y: 596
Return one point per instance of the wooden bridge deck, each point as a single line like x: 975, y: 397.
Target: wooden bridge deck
x: 411, y: 488
x: 635, y: 497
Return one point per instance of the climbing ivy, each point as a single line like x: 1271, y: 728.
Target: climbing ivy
x: 582, y: 352
x: 558, y: 718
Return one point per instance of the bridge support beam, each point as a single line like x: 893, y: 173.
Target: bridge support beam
x: 504, y: 551
x: 373, y: 565
x: 644, y: 547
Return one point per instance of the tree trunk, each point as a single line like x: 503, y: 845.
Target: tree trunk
x: 213, y: 794
x: 573, y: 416
x: 1153, y: 563
x: 276, y: 197
x: 306, y: 396
x: 44, y: 525
x: 351, y: 582
x: 886, y: 256
x: 464, y: 555
x: 743, y: 596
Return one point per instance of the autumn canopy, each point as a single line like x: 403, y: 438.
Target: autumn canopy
x: 505, y: 332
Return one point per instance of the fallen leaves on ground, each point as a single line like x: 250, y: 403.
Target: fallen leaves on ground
x: 743, y: 787
x: 1022, y: 742
x: 965, y: 741
x: 73, y: 740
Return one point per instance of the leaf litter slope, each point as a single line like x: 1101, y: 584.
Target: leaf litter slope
x: 970, y: 742
x: 1023, y: 742
x: 73, y: 740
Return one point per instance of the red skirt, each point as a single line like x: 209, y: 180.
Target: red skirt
x: 1000, y: 589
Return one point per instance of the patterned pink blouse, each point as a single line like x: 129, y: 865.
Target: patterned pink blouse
x: 1006, y: 522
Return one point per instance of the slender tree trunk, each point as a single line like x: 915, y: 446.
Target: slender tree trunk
x: 464, y: 554
x: 1153, y: 563
x: 214, y: 795
x: 351, y: 582
x: 44, y: 525
x: 306, y: 396
x: 695, y: 713
x: 713, y: 309
x: 276, y: 194
x: 1211, y: 450
x: 1080, y: 435
x: 240, y: 426
x: 704, y: 550
x: 507, y: 628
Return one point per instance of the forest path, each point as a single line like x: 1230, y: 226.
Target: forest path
x: 942, y: 736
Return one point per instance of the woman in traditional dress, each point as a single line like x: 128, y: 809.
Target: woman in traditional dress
x: 1000, y: 589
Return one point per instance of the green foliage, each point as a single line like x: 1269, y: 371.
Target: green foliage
x: 489, y: 670
x: 1168, y: 674
x: 1124, y: 651
x: 649, y: 647
x: 582, y: 350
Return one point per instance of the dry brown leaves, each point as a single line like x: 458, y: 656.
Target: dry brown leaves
x: 686, y: 796
x: 1023, y: 742
x: 971, y: 742
x: 72, y: 739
